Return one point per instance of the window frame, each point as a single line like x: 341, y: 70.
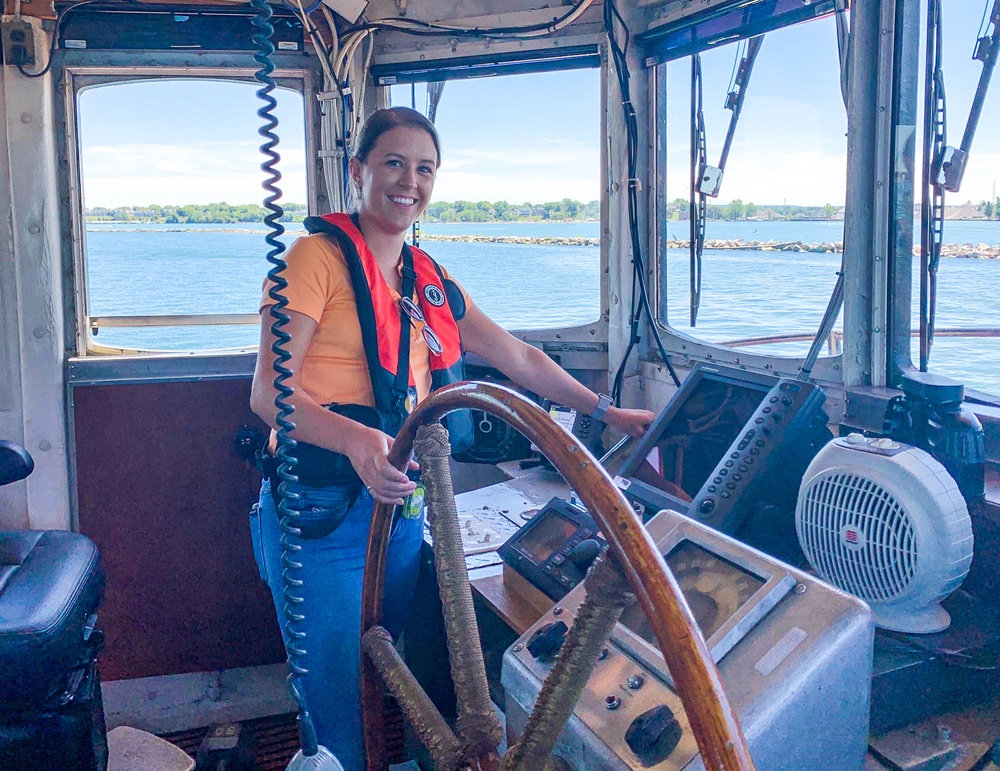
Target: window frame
x: 96, y: 69
x: 687, y: 348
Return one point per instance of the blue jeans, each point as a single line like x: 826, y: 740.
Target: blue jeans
x: 332, y: 570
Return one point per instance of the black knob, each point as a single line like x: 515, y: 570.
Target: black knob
x: 547, y: 640
x: 584, y: 553
x: 654, y: 735
x: 707, y: 506
x: 246, y: 441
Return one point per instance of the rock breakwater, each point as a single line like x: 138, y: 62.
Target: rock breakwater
x: 968, y: 251
x: 542, y: 241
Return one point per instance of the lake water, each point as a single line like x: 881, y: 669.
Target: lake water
x: 170, y: 269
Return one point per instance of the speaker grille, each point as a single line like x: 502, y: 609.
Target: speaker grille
x: 857, y: 536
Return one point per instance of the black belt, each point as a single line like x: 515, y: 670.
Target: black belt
x: 330, y: 470
x: 317, y: 466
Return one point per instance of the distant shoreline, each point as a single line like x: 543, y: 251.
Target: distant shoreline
x: 191, y: 226
x: 963, y: 250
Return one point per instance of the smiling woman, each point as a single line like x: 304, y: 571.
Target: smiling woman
x: 156, y: 159
x: 371, y: 326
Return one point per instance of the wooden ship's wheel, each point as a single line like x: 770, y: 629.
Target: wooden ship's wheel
x: 632, y: 569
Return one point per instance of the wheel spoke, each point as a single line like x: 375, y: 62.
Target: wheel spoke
x: 477, y: 725
x: 608, y: 594
x: 445, y: 748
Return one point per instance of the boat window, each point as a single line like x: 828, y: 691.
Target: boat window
x: 774, y: 233
x: 966, y: 340
x: 516, y: 211
x: 173, y: 244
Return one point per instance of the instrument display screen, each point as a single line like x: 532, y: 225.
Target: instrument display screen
x: 690, y: 444
x: 546, y: 537
x: 715, y: 589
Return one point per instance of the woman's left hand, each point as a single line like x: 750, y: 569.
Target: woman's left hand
x: 631, y: 422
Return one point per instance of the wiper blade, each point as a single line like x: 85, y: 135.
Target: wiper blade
x: 698, y: 206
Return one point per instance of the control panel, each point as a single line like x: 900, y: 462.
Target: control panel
x: 761, y: 471
x: 555, y: 549
x: 694, y: 430
x: 794, y: 654
x: 489, y: 516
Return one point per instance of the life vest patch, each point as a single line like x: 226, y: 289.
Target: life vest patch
x: 434, y: 295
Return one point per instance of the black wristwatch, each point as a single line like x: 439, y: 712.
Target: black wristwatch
x: 603, y: 403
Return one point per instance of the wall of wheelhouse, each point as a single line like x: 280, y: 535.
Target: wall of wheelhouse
x: 33, y: 285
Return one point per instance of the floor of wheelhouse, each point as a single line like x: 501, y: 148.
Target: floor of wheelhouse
x: 274, y: 740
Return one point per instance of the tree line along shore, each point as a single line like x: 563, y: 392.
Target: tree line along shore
x: 565, y: 210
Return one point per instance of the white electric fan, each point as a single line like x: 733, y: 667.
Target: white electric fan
x: 887, y: 523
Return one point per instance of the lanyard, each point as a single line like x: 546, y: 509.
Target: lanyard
x: 401, y: 387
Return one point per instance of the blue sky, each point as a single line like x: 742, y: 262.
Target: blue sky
x: 533, y: 138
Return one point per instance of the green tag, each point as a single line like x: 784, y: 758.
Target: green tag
x: 414, y: 505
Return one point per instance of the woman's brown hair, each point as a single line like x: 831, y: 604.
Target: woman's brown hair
x: 385, y: 120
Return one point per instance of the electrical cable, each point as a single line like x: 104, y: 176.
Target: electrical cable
x: 316, y: 38
x: 640, y: 303
x: 311, y: 9
x: 53, y: 45
x: 292, y: 615
x: 951, y: 657
x: 416, y: 27
x: 348, y: 47
x: 331, y: 23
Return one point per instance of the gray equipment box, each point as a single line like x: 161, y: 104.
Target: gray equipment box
x: 795, y: 655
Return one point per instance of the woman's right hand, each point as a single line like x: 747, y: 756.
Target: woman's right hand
x: 369, y: 454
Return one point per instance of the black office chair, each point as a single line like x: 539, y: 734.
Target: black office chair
x: 51, y: 714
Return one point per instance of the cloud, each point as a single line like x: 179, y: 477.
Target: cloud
x: 537, y: 172
x: 205, y: 172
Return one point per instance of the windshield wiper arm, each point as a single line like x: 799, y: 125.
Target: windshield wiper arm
x: 955, y: 159
x: 707, y: 180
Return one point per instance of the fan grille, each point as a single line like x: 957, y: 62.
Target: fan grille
x: 857, y: 536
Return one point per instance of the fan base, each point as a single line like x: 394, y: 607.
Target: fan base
x: 926, y: 620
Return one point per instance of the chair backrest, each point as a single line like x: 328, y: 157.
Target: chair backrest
x: 15, y: 462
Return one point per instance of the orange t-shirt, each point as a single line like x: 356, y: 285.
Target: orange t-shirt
x: 335, y: 369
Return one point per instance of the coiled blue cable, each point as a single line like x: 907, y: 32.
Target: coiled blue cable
x: 291, y: 614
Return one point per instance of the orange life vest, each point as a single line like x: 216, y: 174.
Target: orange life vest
x: 385, y: 327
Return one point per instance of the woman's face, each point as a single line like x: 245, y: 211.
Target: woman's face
x: 397, y: 179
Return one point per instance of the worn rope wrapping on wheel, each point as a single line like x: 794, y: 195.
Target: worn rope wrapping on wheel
x: 477, y: 723
x: 445, y: 748
x: 608, y: 594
